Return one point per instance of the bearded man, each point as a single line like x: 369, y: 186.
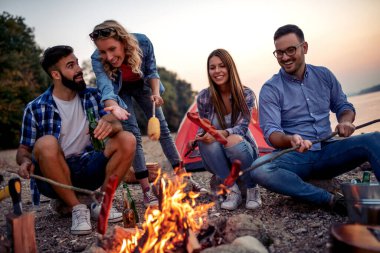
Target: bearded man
x: 55, y: 142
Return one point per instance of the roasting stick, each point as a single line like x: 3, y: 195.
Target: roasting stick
x: 194, y: 145
x: 154, y: 109
x: 296, y: 147
x: 70, y: 187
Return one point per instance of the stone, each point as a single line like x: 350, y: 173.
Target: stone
x: 243, y: 225
x: 251, y: 243
x: 227, y: 248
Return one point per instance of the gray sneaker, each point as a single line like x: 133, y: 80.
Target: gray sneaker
x: 150, y: 199
x: 253, y: 198
x: 81, y: 224
x: 233, y: 199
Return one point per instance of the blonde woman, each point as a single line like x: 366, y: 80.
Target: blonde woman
x: 228, y: 105
x: 125, y: 68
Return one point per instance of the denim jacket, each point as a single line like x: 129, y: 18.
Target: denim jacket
x: 110, y: 89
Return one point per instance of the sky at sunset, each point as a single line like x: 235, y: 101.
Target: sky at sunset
x: 343, y: 35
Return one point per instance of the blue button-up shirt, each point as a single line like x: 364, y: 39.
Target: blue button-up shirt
x: 41, y: 116
x: 109, y: 88
x: 292, y: 106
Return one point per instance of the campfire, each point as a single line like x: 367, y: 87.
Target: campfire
x: 172, y: 225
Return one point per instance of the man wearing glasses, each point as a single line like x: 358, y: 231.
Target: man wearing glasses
x: 294, y: 109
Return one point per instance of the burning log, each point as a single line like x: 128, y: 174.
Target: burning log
x: 114, y: 240
x: 192, y: 243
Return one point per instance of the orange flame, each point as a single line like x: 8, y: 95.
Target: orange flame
x: 167, y: 228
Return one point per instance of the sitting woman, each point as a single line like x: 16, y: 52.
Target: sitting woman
x: 228, y: 105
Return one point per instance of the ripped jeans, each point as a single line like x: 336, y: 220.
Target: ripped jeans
x: 218, y: 159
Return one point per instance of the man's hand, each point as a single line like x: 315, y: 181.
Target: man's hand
x: 304, y: 145
x: 345, y: 129
x: 103, y: 129
x: 157, y: 99
x: 26, y: 168
x: 118, y: 112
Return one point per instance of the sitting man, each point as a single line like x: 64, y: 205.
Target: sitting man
x: 55, y: 142
x: 294, y: 110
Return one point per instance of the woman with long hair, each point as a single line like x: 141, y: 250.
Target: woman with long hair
x: 228, y: 105
x: 125, y: 67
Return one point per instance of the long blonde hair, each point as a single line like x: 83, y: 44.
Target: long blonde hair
x: 238, y: 102
x: 133, y: 52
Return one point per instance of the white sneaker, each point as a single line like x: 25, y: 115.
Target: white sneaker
x: 81, y: 224
x: 253, y: 198
x: 113, y: 217
x: 150, y: 199
x: 233, y: 199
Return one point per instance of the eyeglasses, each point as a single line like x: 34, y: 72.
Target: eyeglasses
x: 289, y: 51
x: 105, y: 32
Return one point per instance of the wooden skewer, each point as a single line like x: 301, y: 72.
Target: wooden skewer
x: 70, y: 187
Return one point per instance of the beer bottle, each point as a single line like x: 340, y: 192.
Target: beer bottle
x: 96, y: 143
x: 366, y: 177
x: 130, y: 215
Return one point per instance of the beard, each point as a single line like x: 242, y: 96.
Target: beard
x: 73, y: 85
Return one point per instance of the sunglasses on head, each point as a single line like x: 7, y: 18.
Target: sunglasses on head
x: 105, y: 32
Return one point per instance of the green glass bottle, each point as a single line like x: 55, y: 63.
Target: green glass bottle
x: 130, y: 215
x: 98, y: 144
x: 366, y: 177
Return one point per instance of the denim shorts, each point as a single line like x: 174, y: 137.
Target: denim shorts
x: 87, y: 171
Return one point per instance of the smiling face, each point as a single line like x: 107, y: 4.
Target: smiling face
x: 295, y: 64
x: 70, y: 73
x: 111, y: 50
x: 217, y: 71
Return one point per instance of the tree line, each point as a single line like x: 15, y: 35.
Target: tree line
x: 22, y: 79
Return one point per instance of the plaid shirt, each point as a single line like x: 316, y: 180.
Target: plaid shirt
x: 240, y: 127
x: 41, y: 116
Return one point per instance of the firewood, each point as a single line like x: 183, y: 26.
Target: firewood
x: 192, y: 244
x: 22, y: 231
x: 115, y: 239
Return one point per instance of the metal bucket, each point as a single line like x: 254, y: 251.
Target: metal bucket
x: 363, y: 202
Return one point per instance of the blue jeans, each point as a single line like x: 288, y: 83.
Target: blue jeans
x: 218, y: 160
x: 88, y: 171
x: 287, y: 174
x: 142, y: 97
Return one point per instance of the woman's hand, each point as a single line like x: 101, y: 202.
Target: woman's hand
x: 118, y: 112
x: 207, y: 138
x: 157, y: 99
